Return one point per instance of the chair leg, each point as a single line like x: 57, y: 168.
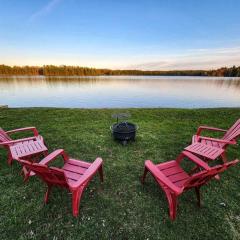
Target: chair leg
x: 47, y: 193
x: 10, y: 159
x: 197, y: 190
x: 144, y: 175
x: 25, y: 179
x: 100, y: 171
x: 26, y: 174
x: 172, y: 204
x: 76, y: 198
x: 175, y: 203
x: 224, y: 157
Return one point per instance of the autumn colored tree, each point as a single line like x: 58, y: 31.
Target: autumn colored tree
x: 63, y: 70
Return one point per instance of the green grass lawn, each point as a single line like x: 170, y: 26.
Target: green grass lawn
x: 121, y: 208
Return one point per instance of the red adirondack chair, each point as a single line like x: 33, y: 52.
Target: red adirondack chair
x: 174, y: 180
x: 74, y: 175
x: 230, y: 137
x: 6, y: 141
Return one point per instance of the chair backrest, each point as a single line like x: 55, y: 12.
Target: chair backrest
x: 233, y: 132
x: 3, y: 136
x: 50, y: 175
x: 201, y: 178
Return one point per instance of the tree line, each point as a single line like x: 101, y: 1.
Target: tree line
x: 51, y: 70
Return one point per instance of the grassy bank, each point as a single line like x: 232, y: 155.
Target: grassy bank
x: 121, y: 208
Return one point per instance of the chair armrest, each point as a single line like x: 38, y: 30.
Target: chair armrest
x: 33, y: 129
x: 17, y: 141
x: 159, y: 176
x: 217, y: 140
x: 196, y: 160
x: 52, y: 156
x: 209, y: 129
x: 88, y: 174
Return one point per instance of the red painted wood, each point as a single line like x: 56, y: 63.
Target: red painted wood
x: 32, y: 129
x: 172, y: 171
x: 27, y: 149
x: 230, y: 137
x: 178, y: 177
x: 174, y: 180
x: 74, y: 175
x: 79, y: 163
x: 73, y: 168
x: 233, y: 132
x: 4, y: 136
x: 167, y: 165
x: 181, y: 183
x: 35, y: 143
x: 205, y: 150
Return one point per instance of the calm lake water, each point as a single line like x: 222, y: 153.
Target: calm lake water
x: 120, y: 92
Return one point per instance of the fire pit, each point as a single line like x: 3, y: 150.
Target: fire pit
x: 123, y: 131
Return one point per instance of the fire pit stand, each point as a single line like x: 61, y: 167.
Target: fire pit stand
x: 123, y: 131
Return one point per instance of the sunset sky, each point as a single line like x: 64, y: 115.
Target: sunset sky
x: 126, y: 34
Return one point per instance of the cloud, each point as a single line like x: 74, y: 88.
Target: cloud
x: 192, y: 59
x: 45, y: 10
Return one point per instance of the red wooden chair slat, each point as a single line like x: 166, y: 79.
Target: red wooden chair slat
x: 174, y: 180
x: 230, y: 137
x: 233, y: 131
x: 6, y: 141
x: 4, y: 136
x: 74, y: 175
x: 181, y: 183
x: 178, y: 177
x: 79, y: 163
x: 24, y: 150
x: 167, y: 165
x: 206, y: 151
x: 73, y: 168
x: 172, y: 171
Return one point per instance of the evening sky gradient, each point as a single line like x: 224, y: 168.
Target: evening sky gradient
x: 130, y: 34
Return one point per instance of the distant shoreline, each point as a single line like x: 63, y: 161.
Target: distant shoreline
x: 102, y: 76
x: 51, y: 70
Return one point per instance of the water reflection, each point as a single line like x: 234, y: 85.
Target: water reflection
x: 120, y: 91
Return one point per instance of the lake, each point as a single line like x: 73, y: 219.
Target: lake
x: 120, y: 92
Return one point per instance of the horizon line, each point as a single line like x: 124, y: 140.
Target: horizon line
x: 120, y: 69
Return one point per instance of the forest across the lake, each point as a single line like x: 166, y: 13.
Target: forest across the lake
x: 52, y: 70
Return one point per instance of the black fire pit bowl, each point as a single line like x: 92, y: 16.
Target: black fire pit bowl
x: 124, y: 131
